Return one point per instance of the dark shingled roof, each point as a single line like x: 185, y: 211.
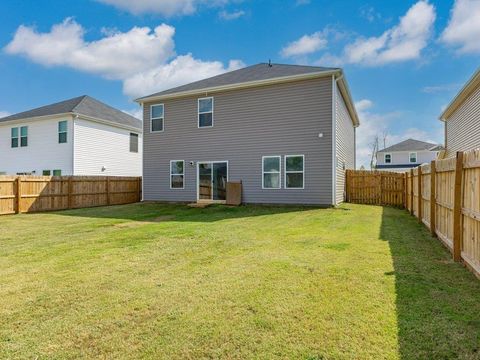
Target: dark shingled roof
x: 82, y: 105
x: 257, y: 72
x: 413, y: 145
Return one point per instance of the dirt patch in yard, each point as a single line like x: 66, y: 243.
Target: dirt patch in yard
x: 155, y: 220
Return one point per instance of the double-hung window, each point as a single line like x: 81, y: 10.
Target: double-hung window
x: 294, y: 171
x: 157, y: 116
x: 134, y: 142
x: 205, y: 112
x: 271, y: 172
x: 62, y: 132
x: 177, y: 174
x: 388, y: 158
x: 413, y: 157
x: 24, y: 136
x: 14, y: 132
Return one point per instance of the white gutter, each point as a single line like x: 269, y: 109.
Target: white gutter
x: 110, y: 123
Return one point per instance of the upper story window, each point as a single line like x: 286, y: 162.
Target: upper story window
x: 134, y: 142
x: 24, y: 136
x: 205, y: 112
x: 388, y: 158
x: 62, y: 132
x: 157, y: 115
x: 14, y: 137
x: 19, y: 133
x: 294, y: 171
x: 271, y: 172
x: 413, y: 157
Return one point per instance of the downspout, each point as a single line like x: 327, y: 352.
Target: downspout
x: 75, y: 116
x: 334, y: 141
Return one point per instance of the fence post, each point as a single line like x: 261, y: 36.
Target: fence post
x: 411, y: 191
x: 346, y: 185
x: 18, y: 195
x: 70, y: 191
x: 433, y: 198
x: 108, y: 190
x: 420, y: 197
x: 139, y: 182
x: 405, y: 191
x: 457, y: 209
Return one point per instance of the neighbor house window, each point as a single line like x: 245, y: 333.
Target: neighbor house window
x: 46, y: 173
x: 57, y: 172
x: 14, y: 137
x: 294, y: 171
x: 271, y: 172
x: 24, y: 136
x: 413, y: 157
x: 134, y: 142
x: 62, y: 132
x: 177, y: 174
x: 157, y: 115
x: 205, y: 112
x: 388, y: 158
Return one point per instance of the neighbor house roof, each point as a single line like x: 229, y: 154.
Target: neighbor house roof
x: 413, y: 145
x: 83, y: 105
x: 462, y: 95
x: 257, y: 75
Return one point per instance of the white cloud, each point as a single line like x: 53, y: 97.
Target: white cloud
x: 463, y: 29
x: 128, y: 56
x: 307, y: 44
x: 225, y: 15
x: 369, y: 13
x: 403, y: 42
x: 181, y: 70
x: 376, y: 124
x: 4, y: 114
x: 440, y: 88
x: 163, y: 7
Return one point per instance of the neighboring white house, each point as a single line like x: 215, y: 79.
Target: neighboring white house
x: 80, y: 136
x: 462, y: 119
x: 406, y: 155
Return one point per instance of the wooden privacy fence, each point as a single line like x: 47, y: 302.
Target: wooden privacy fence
x: 375, y: 187
x: 21, y: 194
x: 444, y: 195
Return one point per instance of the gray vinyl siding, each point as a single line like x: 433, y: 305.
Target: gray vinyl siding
x: 281, y: 119
x: 345, y: 145
x: 463, y: 127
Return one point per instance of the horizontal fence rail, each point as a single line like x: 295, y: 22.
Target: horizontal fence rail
x: 444, y: 195
x: 23, y: 194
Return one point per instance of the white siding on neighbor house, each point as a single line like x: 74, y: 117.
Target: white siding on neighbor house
x: 43, y: 151
x: 403, y: 158
x: 462, y: 130
x: 100, y: 146
x: 345, y: 145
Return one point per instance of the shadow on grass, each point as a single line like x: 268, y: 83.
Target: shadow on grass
x: 179, y: 212
x: 438, y: 300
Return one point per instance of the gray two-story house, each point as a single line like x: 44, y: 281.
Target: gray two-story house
x: 287, y: 132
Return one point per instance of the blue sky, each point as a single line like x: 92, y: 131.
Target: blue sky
x: 404, y: 60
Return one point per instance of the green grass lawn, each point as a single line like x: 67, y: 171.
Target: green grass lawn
x: 167, y: 281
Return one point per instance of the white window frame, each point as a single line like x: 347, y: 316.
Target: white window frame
x: 157, y: 118
x: 170, y: 175
x: 293, y: 172
x: 63, y: 132
x: 205, y: 112
x: 410, y: 158
x: 272, y: 172
x: 21, y: 137
x: 15, y: 137
x: 385, y: 158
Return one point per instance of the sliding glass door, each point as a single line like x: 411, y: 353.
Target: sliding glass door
x: 212, y: 180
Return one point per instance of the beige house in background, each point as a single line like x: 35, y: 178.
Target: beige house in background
x: 462, y: 119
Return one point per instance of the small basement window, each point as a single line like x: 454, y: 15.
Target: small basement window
x: 294, y: 171
x: 157, y: 116
x: 62, y: 132
x: 271, y: 172
x: 46, y: 173
x: 205, y: 112
x: 388, y: 158
x: 413, y: 157
x: 177, y: 174
x: 133, y: 142
x: 57, y: 172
